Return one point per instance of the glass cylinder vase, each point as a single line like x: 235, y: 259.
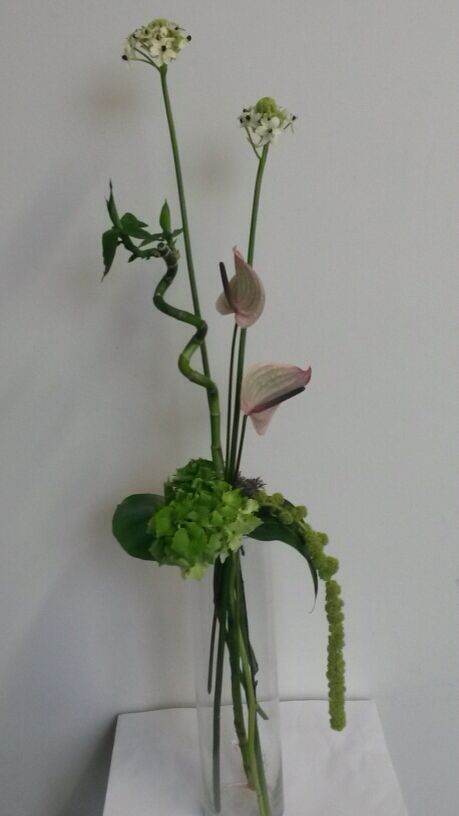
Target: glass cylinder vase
x: 236, y: 686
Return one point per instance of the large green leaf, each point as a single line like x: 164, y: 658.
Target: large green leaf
x: 109, y: 245
x: 272, y: 529
x: 130, y: 524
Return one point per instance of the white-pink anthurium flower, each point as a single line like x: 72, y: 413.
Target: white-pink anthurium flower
x: 266, y: 385
x: 243, y: 295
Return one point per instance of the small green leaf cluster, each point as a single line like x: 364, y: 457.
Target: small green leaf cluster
x: 336, y: 664
x: 203, y: 519
x: 293, y: 516
x: 127, y: 227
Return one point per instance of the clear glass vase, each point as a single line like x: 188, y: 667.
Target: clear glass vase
x: 236, y: 687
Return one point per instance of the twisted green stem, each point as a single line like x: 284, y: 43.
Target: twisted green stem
x: 184, y: 361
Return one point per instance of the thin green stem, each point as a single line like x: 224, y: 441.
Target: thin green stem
x: 234, y: 657
x: 237, y: 399
x: 252, y: 731
x: 218, y: 587
x: 210, y: 669
x: 241, y: 445
x: 230, y: 396
x: 254, y: 672
x: 183, y: 209
x: 242, y: 339
x: 252, y: 144
x: 217, y: 716
x: 255, y: 204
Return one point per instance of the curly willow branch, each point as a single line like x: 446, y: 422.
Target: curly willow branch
x: 184, y: 361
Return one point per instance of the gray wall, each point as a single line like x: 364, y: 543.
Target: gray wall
x: 358, y: 247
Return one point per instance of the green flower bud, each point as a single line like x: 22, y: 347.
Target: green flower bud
x: 300, y: 512
x: 265, y: 121
x: 286, y: 517
x: 267, y: 107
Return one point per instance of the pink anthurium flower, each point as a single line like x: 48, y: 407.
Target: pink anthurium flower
x: 243, y: 295
x: 266, y: 385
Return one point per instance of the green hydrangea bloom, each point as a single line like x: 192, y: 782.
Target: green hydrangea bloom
x: 204, y: 519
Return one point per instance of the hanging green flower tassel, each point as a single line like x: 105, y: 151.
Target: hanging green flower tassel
x: 336, y: 664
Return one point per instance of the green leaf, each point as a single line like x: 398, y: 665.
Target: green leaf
x: 155, y: 237
x: 111, y: 207
x: 130, y: 218
x: 130, y: 524
x: 109, y: 245
x: 177, y: 232
x: 133, y: 227
x: 165, y: 219
x: 273, y: 530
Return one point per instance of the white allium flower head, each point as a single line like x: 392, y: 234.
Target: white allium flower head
x: 265, y: 121
x: 158, y: 42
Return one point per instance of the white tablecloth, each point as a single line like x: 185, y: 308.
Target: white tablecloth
x: 155, y: 764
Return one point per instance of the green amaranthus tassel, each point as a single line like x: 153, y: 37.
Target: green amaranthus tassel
x: 282, y: 521
x: 336, y: 664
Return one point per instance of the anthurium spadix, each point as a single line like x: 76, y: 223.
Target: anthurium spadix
x: 266, y: 385
x: 243, y: 295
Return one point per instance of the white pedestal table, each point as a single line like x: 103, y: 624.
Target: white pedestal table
x: 155, y: 764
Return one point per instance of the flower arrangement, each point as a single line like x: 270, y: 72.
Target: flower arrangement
x: 208, y: 507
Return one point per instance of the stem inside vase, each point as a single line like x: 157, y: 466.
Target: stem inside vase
x: 230, y: 613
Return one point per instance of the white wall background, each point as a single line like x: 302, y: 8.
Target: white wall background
x: 359, y: 249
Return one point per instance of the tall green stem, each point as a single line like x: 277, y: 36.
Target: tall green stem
x: 255, y: 204
x: 212, y: 393
x: 217, y: 716
x: 234, y: 657
x: 241, y: 445
x: 183, y: 209
x: 252, y: 731
x: 242, y: 339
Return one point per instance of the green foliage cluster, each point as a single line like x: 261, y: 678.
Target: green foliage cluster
x: 127, y: 228
x: 203, y: 519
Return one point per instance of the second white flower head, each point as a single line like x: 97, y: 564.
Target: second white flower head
x: 265, y: 121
